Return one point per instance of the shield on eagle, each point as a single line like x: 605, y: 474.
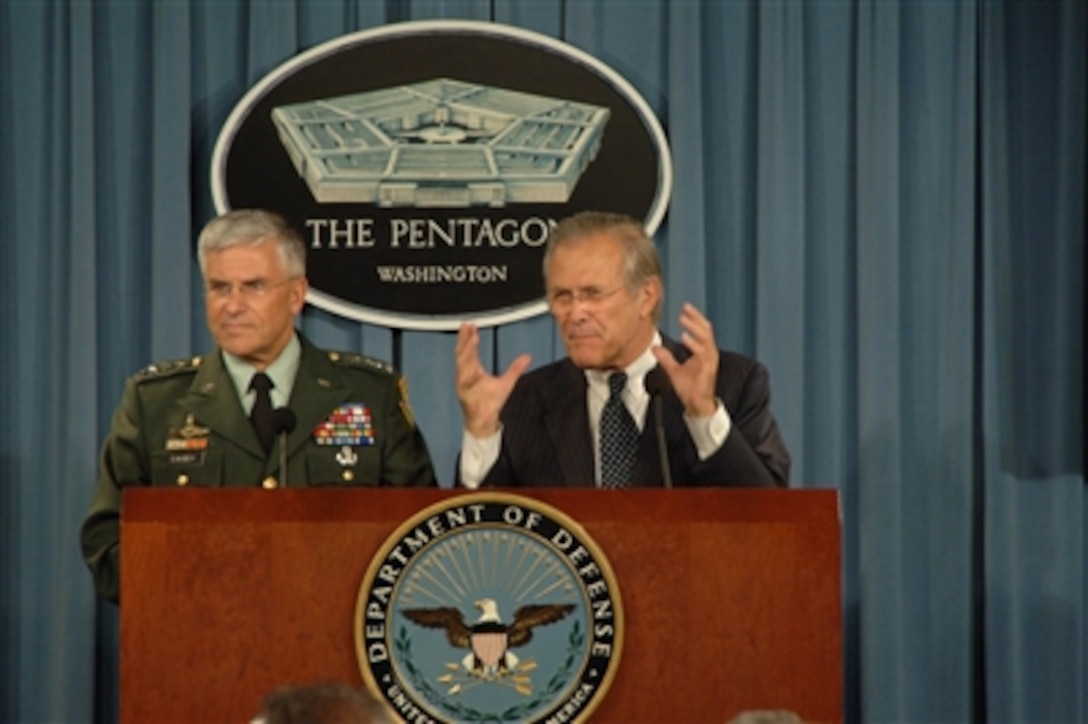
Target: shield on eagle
x: 489, y: 647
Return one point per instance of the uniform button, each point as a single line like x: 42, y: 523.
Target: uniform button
x: 183, y: 480
x: 349, y: 475
x: 269, y: 483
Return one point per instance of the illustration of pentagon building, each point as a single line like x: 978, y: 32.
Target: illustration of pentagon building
x: 441, y: 143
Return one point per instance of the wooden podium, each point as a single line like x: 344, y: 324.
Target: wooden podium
x: 731, y: 597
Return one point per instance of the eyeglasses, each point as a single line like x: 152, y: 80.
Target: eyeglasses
x: 563, y: 300
x: 254, y: 289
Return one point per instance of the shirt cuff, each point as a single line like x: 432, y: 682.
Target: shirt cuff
x: 709, y: 433
x: 478, y: 455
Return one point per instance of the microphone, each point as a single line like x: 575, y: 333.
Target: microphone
x: 283, y: 422
x: 657, y: 384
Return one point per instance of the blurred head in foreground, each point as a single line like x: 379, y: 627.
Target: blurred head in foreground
x: 328, y: 702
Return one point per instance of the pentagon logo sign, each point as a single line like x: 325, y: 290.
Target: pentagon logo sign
x: 489, y: 607
x: 426, y: 162
x: 441, y: 143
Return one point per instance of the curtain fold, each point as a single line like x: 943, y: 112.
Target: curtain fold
x: 882, y: 201
x: 1032, y: 424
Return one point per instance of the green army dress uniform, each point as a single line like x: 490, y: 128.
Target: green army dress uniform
x: 181, y: 424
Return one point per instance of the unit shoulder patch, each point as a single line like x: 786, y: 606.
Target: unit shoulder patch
x: 405, y: 406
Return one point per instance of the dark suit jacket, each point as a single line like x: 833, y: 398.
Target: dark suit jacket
x: 164, y: 403
x: 546, y: 439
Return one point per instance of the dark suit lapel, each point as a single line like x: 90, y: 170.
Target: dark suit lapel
x: 214, y: 403
x: 566, y: 420
x: 647, y: 470
x: 648, y: 464
x: 673, y: 412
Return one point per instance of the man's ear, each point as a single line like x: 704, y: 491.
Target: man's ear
x: 649, y: 297
x: 298, y: 293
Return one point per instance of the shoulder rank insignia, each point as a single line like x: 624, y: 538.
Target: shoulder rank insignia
x: 361, y: 360
x: 169, y: 367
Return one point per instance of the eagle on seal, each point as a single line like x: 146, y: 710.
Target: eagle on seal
x: 489, y: 638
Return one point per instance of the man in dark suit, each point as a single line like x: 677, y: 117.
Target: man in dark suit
x: 194, y: 422
x: 604, y: 288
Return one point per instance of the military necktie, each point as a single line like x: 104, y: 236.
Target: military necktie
x: 619, y: 436
x: 261, y: 415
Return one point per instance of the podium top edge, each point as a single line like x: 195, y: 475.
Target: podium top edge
x: 641, y: 505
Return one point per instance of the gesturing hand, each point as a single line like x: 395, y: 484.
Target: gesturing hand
x: 481, y: 394
x: 694, y: 379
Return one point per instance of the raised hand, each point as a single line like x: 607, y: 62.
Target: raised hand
x: 694, y: 380
x: 482, y: 394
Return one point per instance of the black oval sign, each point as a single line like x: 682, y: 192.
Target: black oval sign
x: 425, y: 163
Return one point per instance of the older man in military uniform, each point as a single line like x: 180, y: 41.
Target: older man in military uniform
x: 213, y: 421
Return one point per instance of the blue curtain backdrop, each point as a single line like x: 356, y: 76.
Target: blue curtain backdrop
x: 883, y: 201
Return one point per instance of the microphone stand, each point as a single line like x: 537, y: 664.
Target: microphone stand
x: 659, y: 433
x: 283, y: 421
x: 657, y: 384
x: 283, y: 458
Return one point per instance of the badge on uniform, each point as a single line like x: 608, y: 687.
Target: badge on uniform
x: 189, y: 437
x: 348, y: 424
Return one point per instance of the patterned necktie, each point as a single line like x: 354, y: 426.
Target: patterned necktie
x: 261, y: 415
x: 619, y: 436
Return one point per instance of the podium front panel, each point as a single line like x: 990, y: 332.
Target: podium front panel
x: 731, y: 597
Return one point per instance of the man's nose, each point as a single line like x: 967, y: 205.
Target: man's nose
x: 579, y: 309
x: 236, y: 299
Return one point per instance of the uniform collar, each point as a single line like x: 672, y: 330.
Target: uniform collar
x: 282, y: 371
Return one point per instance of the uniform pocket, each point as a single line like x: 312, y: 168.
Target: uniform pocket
x: 353, y: 465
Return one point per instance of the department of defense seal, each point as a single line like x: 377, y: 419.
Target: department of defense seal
x: 489, y: 607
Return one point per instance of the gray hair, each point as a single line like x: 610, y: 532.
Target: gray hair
x: 250, y: 227
x: 640, y: 260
